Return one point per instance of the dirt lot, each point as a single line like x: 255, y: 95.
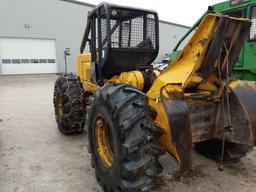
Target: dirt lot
x: 34, y: 156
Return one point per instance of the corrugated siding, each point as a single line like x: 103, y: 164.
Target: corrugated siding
x: 169, y: 37
x: 63, y: 21
x: 49, y: 19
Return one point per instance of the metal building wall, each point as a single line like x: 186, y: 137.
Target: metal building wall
x: 64, y: 21
x: 48, y: 19
x: 170, y: 34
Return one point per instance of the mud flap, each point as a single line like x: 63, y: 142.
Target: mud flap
x: 178, y: 116
x: 243, y: 99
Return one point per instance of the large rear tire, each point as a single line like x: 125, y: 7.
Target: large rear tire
x: 69, y: 104
x: 121, y: 137
x: 212, y: 149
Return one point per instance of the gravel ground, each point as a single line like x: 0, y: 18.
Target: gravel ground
x: 36, y: 157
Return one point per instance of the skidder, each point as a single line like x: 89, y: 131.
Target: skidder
x: 135, y: 114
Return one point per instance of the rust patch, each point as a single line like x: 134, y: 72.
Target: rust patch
x: 233, y: 34
x: 203, y: 118
x: 203, y: 42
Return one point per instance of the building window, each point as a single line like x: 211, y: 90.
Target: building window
x: 51, y: 60
x: 253, y: 27
x: 6, y: 61
x: 15, y: 61
x: 24, y: 60
x: 33, y: 60
x: 42, y: 60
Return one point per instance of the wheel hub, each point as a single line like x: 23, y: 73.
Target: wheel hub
x: 104, y: 142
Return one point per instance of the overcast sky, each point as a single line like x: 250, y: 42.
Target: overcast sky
x: 184, y: 12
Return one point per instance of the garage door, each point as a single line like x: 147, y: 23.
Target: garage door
x: 27, y: 56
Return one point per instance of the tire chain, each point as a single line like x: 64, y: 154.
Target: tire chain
x: 73, y: 82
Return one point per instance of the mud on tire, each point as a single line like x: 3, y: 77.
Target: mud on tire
x: 69, y: 104
x: 135, y: 161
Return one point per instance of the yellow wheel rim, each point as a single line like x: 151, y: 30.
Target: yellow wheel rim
x: 60, y: 105
x: 104, y: 144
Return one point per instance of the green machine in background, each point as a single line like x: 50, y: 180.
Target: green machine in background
x: 245, y: 68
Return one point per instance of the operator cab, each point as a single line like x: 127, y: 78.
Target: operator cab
x: 121, y: 39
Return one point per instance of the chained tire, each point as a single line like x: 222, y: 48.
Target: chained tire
x: 69, y: 104
x: 212, y: 149
x: 121, y: 135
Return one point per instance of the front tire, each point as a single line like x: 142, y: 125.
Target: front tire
x: 121, y: 137
x: 69, y: 104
